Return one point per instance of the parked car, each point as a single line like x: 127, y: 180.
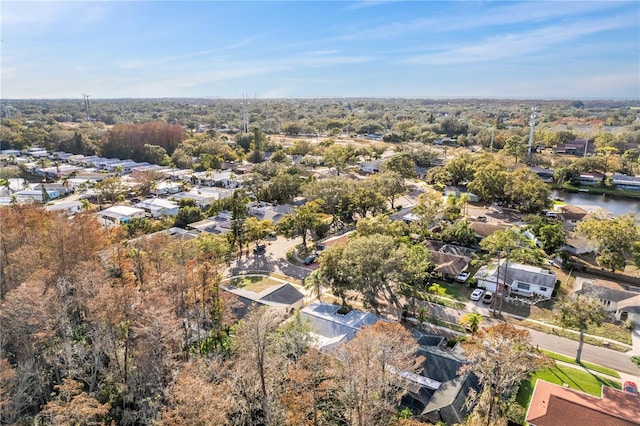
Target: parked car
x: 311, y: 258
x: 630, y: 387
x: 488, y: 297
x: 482, y: 218
x: 477, y: 294
x: 259, y: 249
x: 463, y: 276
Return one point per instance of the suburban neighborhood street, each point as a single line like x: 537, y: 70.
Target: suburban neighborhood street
x: 273, y: 260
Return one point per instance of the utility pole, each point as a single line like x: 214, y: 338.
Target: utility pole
x: 586, y: 145
x: 245, y: 114
x: 7, y: 113
x: 87, y: 107
x: 491, y: 146
x: 532, y: 124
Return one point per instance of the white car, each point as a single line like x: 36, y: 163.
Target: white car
x: 462, y: 277
x: 477, y: 294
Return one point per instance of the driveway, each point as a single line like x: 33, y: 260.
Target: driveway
x: 272, y: 260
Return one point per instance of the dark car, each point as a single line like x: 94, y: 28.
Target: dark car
x: 259, y: 249
x: 311, y: 258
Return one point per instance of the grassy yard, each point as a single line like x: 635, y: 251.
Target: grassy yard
x: 458, y: 291
x: 547, y: 312
x: 569, y: 335
x: 593, y: 367
x: 575, y: 378
x: 255, y: 284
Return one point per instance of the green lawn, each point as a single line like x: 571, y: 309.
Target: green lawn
x: 593, y: 367
x: 575, y: 378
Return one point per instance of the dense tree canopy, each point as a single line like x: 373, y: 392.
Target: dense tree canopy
x: 128, y: 140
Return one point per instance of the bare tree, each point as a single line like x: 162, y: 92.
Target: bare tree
x: 500, y: 357
x: 372, y: 364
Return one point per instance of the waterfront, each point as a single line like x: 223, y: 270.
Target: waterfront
x: 616, y: 205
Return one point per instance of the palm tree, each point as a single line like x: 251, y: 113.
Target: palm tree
x: 436, y: 290
x: 471, y: 321
x: 464, y: 200
x: 86, y: 205
x: 313, y: 283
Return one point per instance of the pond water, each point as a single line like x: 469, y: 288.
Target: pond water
x: 616, y: 205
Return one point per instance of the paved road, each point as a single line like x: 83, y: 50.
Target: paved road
x: 603, y: 356
x: 607, y: 357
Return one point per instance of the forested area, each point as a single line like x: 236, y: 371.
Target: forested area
x: 110, y: 325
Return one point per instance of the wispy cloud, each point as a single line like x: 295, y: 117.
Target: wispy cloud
x: 518, y: 44
x: 369, y: 3
x: 476, y: 15
x: 143, y: 63
x: 20, y: 13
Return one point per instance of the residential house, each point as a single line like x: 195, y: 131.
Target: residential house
x: 60, y: 188
x: 120, y: 214
x: 203, y: 200
x: 266, y: 211
x: 224, y: 179
x: 449, y: 264
x: 622, y: 300
x: 219, y: 224
x: 457, y: 191
x: 164, y: 187
x: 571, y: 215
x: 438, y: 393
x: 55, y: 172
x: 545, y: 174
x: 66, y: 207
x: 36, y: 195
x: 483, y: 229
x: 125, y: 167
x: 578, y: 245
x: 519, y: 280
x: 370, y: 166
x: 284, y: 297
x: 590, y: 179
x: 579, y: 147
x: 631, y: 183
x: 331, y: 328
x: 553, y: 405
x: 157, y: 207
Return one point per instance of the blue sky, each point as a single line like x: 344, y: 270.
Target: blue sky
x: 143, y: 49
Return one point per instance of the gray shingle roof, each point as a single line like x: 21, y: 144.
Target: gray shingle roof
x: 285, y: 294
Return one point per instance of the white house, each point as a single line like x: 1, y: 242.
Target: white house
x: 201, y: 200
x: 264, y: 211
x: 36, y: 195
x: 166, y: 187
x: 371, y: 166
x: 612, y: 296
x: 120, y: 214
x: 157, y: 207
x: 521, y: 280
x: 224, y: 178
x: 579, y: 245
x: 67, y: 207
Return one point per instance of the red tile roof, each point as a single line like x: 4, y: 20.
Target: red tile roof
x: 553, y: 405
